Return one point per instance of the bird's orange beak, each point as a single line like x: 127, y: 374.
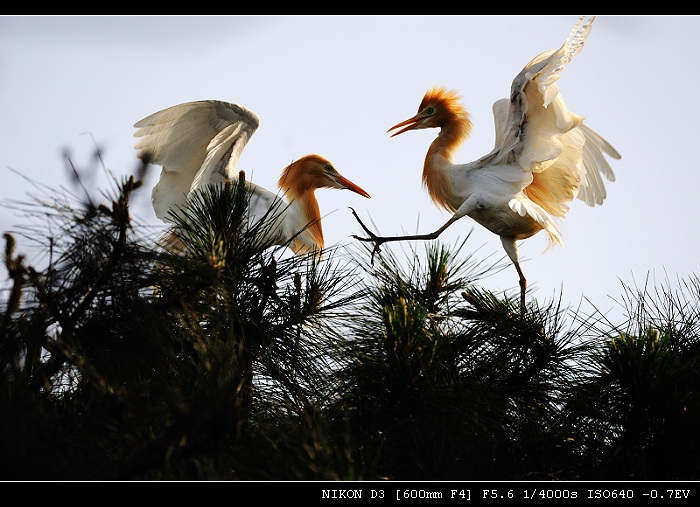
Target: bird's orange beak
x: 346, y: 183
x: 410, y: 124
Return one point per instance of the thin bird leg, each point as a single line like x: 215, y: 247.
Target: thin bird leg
x: 511, y: 249
x: 523, y: 286
x: 379, y: 240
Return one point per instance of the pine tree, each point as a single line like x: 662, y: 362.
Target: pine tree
x: 446, y: 381
x: 207, y: 355
x: 125, y: 360
x: 636, y: 404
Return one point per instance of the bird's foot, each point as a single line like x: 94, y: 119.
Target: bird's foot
x: 377, y: 240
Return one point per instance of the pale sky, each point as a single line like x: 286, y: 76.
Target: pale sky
x: 333, y: 85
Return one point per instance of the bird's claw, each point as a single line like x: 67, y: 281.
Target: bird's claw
x: 372, y: 237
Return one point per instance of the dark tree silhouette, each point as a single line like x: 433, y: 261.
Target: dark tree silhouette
x: 222, y: 359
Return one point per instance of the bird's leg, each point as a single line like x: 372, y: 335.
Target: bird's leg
x: 379, y: 240
x: 472, y: 203
x: 523, y: 286
x: 511, y: 249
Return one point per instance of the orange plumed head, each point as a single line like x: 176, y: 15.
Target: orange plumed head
x: 440, y: 108
x: 449, y: 113
x: 312, y: 172
x: 299, y: 181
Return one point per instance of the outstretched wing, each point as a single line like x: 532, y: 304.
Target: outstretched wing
x: 196, y: 143
x: 536, y: 131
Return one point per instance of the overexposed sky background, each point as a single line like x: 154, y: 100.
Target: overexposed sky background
x: 333, y: 85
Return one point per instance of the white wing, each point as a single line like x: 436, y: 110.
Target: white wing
x: 196, y: 143
x: 536, y: 131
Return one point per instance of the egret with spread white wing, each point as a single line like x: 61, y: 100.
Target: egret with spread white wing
x: 544, y: 157
x: 200, y: 143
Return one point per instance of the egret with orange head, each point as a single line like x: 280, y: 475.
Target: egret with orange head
x: 199, y: 143
x: 544, y: 157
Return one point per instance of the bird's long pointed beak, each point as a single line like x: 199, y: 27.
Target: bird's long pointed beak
x: 346, y: 183
x: 412, y: 123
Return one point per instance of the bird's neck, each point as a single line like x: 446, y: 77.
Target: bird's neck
x: 439, y: 161
x: 308, y: 209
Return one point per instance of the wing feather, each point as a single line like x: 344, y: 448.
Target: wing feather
x: 195, y: 143
x: 536, y: 131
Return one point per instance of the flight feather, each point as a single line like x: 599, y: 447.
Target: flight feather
x: 195, y: 143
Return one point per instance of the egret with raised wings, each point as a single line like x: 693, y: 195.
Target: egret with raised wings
x: 200, y: 143
x: 544, y: 157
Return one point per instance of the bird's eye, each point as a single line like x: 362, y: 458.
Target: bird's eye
x: 329, y: 168
x: 430, y: 110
